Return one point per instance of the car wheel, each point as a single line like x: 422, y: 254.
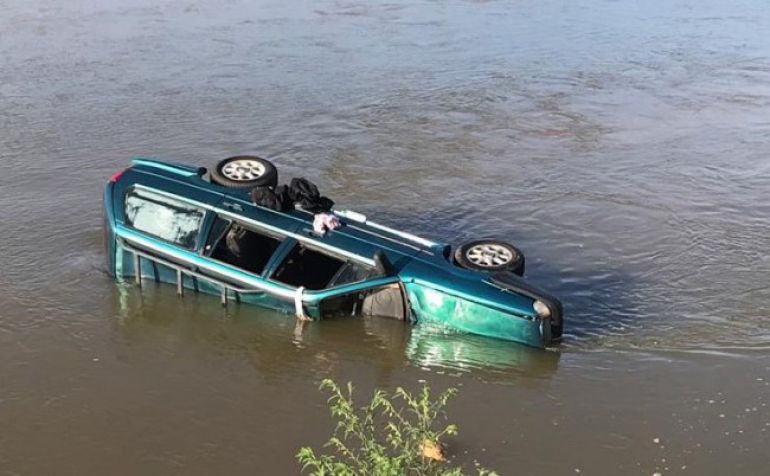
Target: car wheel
x: 490, y: 255
x: 245, y: 171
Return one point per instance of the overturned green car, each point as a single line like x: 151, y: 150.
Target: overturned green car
x: 229, y: 232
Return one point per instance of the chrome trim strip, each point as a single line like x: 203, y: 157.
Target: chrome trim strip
x: 260, y: 287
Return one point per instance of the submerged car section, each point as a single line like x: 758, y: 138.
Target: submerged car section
x: 166, y: 223
x: 475, y: 303
x: 173, y: 227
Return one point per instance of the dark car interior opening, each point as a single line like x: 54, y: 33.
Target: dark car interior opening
x: 233, y: 243
x: 316, y: 270
x: 241, y: 247
x: 309, y: 268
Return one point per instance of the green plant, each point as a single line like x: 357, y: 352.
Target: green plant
x: 380, y: 439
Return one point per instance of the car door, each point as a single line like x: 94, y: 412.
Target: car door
x: 331, y: 283
x: 238, y: 252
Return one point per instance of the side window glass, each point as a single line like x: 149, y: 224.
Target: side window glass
x: 352, y: 272
x: 217, y: 233
x: 234, y: 244
x: 167, y: 219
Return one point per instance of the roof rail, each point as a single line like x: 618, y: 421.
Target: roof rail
x: 361, y: 218
x: 175, y: 168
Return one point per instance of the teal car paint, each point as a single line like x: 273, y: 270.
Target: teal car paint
x: 462, y: 313
x: 165, y: 222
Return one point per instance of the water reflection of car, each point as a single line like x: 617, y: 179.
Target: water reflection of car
x: 449, y: 351
x: 178, y: 224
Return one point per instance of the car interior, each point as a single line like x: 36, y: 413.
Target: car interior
x: 233, y: 243
x: 249, y: 250
x: 242, y: 247
x: 308, y: 268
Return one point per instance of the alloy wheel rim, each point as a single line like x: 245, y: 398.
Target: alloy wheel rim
x: 489, y: 255
x: 243, y: 170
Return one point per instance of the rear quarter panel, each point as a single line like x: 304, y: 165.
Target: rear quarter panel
x: 444, y: 294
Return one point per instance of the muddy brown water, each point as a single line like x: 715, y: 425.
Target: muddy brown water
x: 622, y: 145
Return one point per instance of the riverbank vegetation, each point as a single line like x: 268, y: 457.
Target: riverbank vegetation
x: 395, y: 434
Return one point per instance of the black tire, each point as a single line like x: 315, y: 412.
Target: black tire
x: 245, y: 171
x: 490, y: 255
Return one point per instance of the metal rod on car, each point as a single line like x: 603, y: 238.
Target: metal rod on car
x: 138, y: 269
x: 179, y: 283
x: 361, y: 218
x: 196, y: 276
x: 224, y: 295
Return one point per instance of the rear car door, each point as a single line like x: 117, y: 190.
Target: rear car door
x: 338, y: 284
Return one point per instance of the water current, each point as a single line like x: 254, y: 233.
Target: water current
x: 622, y: 145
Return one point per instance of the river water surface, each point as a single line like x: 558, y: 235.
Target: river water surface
x: 622, y: 145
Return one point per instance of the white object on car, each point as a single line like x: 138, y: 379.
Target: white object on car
x: 324, y: 222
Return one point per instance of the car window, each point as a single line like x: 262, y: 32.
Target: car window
x: 352, y: 272
x: 217, y: 232
x: 170, y: 220
x: 245, y: 248
x: 315, y: 270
